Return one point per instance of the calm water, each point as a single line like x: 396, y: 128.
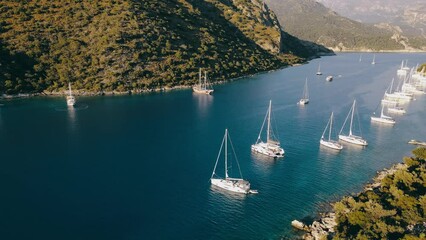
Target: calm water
x: 138, y: 167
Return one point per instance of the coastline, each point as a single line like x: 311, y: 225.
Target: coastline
x: 323, y: 227
x: 139, y: 91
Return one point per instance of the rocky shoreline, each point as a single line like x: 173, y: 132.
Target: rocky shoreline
x: 323, y: 228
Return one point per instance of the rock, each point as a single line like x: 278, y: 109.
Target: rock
x: 317, y: 231
x: 299, y: 225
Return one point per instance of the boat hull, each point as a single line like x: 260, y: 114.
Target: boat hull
x: 303, y: 101
x: 70, y: 101
x: 331, y: 144
x: 353, y: 139
x: 268, y: 149
x: 396, y: 110
x: 233, y: 185
x: 383, y: 120
x: 203, y: 91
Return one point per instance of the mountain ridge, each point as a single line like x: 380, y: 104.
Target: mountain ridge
x: 311, y: 20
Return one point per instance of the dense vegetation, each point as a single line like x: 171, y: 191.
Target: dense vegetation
x: 422, y: 68
x: 395, y: 210
x: 127, y: 45
x: 312, y: 21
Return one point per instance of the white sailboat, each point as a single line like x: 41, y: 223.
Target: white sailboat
x: 383, y: 118
x: 329, y: 142
x: 374, y: 59
x: 396, y: 110
x: 272, y: 146
x: 70, y: 98
x: 305, y: 95
x: 319, y: 69
x: 237, y: 185
x: 203, y: 85
x: 351, y: 138
x: 360, y: 57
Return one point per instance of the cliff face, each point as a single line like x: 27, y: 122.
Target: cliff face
x: 135, y: 44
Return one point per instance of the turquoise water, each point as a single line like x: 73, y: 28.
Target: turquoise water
x: 138, y: 167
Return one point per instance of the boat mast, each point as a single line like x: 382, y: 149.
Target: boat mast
x: 199, y: 78
x: 69, y: 86
x: 306, y: 93
x: 352, y: 118
x: 331, y: 125
x: 226, y: 153
x: 269, y: 121
x: 205, y: 80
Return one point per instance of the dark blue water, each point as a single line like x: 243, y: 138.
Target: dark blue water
x: 138, y: 167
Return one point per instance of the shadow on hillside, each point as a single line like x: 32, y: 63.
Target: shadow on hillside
x: 16, y: 71
x: 301, y: 48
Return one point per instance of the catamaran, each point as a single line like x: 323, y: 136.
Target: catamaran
x: 70, y: 98
x: 328, y: 142
x: 305, y: 95
x: 319, y: 69
x: 237, y: 185
x: 203, y: 86
x: 351, y: 138
x: 383, y: 118
x: 272, y: 146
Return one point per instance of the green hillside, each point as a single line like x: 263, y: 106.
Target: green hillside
x: 395, y: 210
x: 136, y: 45
x: 312, y: 21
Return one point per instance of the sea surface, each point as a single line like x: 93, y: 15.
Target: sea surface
x: 138, y: 167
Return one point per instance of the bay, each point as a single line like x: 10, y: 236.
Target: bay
x: 138, y: 167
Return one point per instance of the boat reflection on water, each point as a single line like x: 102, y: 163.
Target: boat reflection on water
x: 204, y: 101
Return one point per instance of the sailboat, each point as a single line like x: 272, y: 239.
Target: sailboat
x: 237, y: 185
x: 374, y: 59
x: 328, y: 142
x: 360, y: 57
x: 70, y: 98
x: 351, y: 138
x: 396, y: 110
x: 319, y: 69
x: 203, y: 86
x: 305, y: 95
x: 383, y: 118
x: 272, y: 146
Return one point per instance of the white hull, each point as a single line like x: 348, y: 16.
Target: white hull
x: 383, y: 120
x: 319, y: 73
x: 331, y: 144
x: 397, y: 110
x: 70, y: 101
x: 268, y: 149
x: 329, y: 78
x: 303, y: 101
x: 390, y: 102
x: 236, y: 185
x: 353, y: 139
x: 203, y: 91
x: 399, y: 96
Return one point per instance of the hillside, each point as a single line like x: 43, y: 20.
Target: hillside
x: 405, y: 18
x: 393, y: 210
x: 136, y: 45
x: 312, y: 21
